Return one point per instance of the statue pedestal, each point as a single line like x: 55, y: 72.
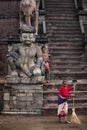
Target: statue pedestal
x: 24, y: 79
x: 22, y: 97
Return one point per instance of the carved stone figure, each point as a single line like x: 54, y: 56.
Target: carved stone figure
x: 26, y: 57
x: 28, y: 10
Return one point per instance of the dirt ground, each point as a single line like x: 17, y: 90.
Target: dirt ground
x: 38, y: 123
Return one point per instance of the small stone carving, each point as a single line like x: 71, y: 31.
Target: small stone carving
x: 28, y: 12
x: 26, y: 57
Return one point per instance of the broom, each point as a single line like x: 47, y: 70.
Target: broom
x: 74, y: 117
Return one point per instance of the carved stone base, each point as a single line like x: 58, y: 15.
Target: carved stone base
x: 24, y: 79
x: 21, y: 97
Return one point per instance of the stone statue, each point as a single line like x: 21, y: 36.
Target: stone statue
x: 28, y: 10
x: 26, y: 57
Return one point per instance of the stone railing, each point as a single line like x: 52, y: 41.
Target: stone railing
x: 42, y: 37
x: 81, y: 8
x: 78, y: 4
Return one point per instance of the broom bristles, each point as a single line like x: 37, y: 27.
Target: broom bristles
x: 74, y: 118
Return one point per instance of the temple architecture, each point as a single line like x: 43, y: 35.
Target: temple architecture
x: 25, y: 27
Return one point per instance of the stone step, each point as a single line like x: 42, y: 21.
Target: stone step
x: 60, y: 20
x: 69, y: 47
x: 60, y: 7
x: 59, y: 4
x: 54, y: 85
x: 64, y: 33
x: 66, y: 38
x: 64, y: 28
x: 53, y: 106
x: 59, y: 53
x: 61, y: 33
x: 58, y: 34
x: 65, y: 50
x: 50, y: 98
x: 63, y: 23
x: 59, y: 1
x: 68, y: 75
x: 61, y: 61
x: 67, y: 68
x: 62, y: 40
x: 61, y: 12
x: 61, y: 16
x: 65, y: 57
x: 57, y: 82
x: 65, y: 44
x: 66, y: 62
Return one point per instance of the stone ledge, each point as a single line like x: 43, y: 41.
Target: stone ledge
x: 21, y: 113
x: 24, y: 79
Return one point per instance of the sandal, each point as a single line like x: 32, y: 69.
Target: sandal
x: 67, y: 122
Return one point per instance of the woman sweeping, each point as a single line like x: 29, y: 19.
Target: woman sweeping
x: 63, y: 96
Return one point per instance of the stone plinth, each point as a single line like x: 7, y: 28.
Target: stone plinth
x: 24, y: 79
x: 21, y: 97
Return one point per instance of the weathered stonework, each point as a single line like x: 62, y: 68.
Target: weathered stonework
x: 3, y: 59
x: 23, y: 98
x: 9, y: 18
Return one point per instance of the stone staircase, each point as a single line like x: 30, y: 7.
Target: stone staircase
x: 66, y: 56
x: 65, y: 40
x: 50, y: 97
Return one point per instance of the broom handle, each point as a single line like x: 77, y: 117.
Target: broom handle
x: 73, y: 97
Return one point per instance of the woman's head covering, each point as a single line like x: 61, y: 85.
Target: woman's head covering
x: 64, y: 81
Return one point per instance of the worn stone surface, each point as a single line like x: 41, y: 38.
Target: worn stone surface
x: 24, y: 79
x: 9, y: 20
x: 3, y: 60
x: 23, y: 98
x: 39, y: 123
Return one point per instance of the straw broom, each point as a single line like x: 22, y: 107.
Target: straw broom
x: 74, y: 117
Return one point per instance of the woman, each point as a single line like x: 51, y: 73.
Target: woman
x: 62, y: 100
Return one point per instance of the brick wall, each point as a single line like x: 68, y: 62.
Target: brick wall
x: 9, y: 7
x: 8, y: 27
x: 9, y: 24
x: 9, y: 18
x: 3, y: 60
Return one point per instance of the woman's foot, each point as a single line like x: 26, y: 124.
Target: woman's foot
x: 67, y: 122
x: 59, y: 119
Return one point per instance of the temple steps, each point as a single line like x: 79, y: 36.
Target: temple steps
x: 50, y: 99
x: 65, y: 45
x: 65, y: 41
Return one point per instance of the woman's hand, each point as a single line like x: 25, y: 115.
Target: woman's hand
x: 74, y: 84
x: 73, y: 95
